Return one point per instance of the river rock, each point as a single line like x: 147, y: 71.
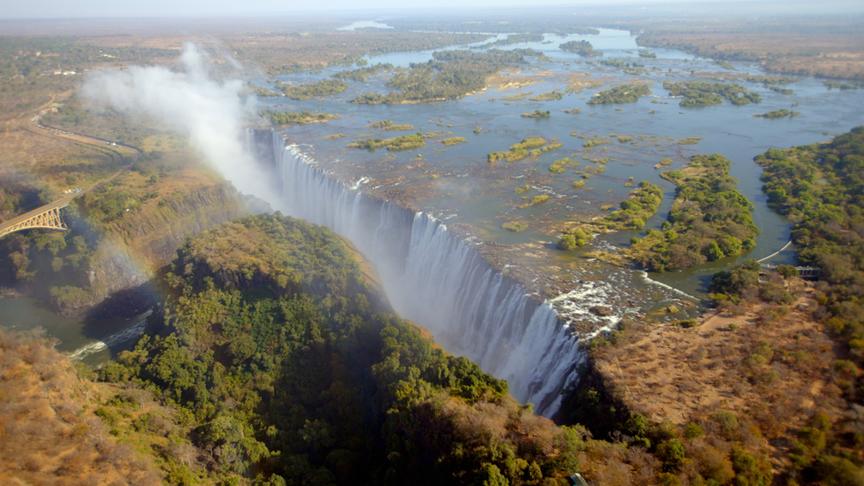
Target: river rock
x: 601, y: 310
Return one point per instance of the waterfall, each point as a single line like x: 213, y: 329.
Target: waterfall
x: 441, y: 282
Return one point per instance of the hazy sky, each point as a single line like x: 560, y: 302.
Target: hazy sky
x: 165, y: 8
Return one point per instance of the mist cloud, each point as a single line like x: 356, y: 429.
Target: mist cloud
x: 212, y: 113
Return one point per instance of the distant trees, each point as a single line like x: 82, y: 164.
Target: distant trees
x: 706, y: 93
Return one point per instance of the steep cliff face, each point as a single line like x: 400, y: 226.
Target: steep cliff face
x: 442, y: 282
x: 130, y: 250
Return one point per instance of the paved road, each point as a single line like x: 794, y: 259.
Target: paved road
x: 120, y: 148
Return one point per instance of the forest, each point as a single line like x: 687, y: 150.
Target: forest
x: 449, y: 75
x: 289, y: 368
x: 709, y: 219
x: 705, y: 93
x: 821, y: 189
x: 625, y: 93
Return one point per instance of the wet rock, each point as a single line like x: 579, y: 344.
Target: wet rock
x: 601, y: 310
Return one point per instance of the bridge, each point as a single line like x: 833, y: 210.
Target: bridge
x: 44, y: 217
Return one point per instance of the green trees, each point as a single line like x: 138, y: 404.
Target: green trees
x: 709, y: 219
x: 449, y: 75
x: 705, y: 93
x: 574, y: 239
x: 582, y: 47
x: 625, y: 93
x: 820, y: 188
x: 394, y: 144
x: 634, y: 212
x: 319, y: 89
x: 290, y: 369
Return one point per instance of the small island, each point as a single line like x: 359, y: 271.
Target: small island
x: 581, y: 47
x: 390, y: 126
x: 537, y: 114
x: 452, y: 141
x: 709, y: 219
x: 528, y: 147
x: 320, y: 89
x: 395, y: 144
x: 299, y: 117
x: 705, y: 93
x: 625, y: 93
x: 781, y: 113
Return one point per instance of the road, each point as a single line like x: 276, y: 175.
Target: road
x: 121, y: 149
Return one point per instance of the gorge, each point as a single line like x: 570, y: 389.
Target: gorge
x: 440, y: 281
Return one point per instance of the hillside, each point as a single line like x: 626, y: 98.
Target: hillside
x: 49, y: 431
x: 290, y: 366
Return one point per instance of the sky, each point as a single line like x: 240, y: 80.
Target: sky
x: 213, y: 8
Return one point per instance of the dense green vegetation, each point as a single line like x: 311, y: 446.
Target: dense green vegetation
x: 452, y: 140
x: 537, y: 114
x: 319, y: 89
x: 624, y: 64
x: 390, y: 126
x: 632, y: 214
x: 553, y: 95
x: 560, y: 166
x: 394, y: 144
x: 528, y: 147
x: 363, y: 74
x: 625, y: 93
x: 781, y: 113
x: 299, y: 117
x: 581, y: 47
x: 706, y: 93
x: 821, y: 189
x: 709, y: 219
x: 289, y: 369
x: 449, y: 75
x: 647, y: 54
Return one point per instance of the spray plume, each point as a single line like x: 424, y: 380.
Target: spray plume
x: 211, y: 113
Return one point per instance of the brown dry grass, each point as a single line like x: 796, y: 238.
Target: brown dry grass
x: 771, y: 367
x: 833, y: 55
x: 48, y: 432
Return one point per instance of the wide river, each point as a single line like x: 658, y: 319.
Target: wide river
x: 456, y: 184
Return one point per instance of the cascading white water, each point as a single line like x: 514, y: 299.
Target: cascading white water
x: 441, y: 282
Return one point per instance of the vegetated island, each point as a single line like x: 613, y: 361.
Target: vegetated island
x: 528, y: 147
x: 391, y: 126
x: 319, y: 89
x: 707, y: 93
x: 394, y: 144
x: 789, y: 351
x: 363, y: 74
x: 449, y: 75
x: 537, y: 114
x: 299, y: 117
x: 781, y: 113
x: 709, y: 219
x: 632, y: 214
x: 625, y: 93
x: 549, y: 96
x: 581, y: 47
x: 452, y: 141
x: 515, y: 39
